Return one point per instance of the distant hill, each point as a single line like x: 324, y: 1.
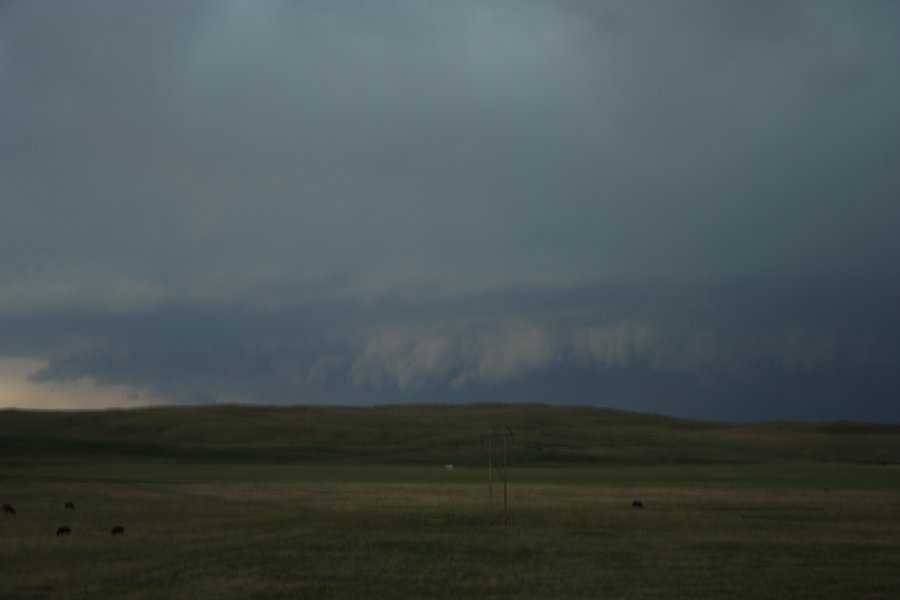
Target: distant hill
x: 418, y: 434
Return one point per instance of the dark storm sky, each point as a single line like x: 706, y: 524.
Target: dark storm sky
x: 688, y: 207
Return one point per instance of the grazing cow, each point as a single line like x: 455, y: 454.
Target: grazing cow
x: 118, y: 530
x: 637, y: 504
x: 70, y: 506
x: 63, y: 530
x: 8, y: 509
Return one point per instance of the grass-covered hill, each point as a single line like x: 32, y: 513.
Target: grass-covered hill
x: 420, y: 434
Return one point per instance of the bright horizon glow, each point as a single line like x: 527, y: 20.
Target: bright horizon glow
x: 17, y: 391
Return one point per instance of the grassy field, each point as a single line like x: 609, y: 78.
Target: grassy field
x: 202, y: 518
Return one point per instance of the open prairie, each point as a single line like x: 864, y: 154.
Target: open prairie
x: 241, y: 502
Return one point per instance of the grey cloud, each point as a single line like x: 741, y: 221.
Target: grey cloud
x: 311, y: 145
x: 415, y: 359
x: 614, y: 345
x: 329, y: 197
x: 411, y: 358
x: 81, y: 289
x: 466, y: 346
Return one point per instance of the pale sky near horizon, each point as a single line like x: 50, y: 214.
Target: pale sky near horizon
x: 689, y: 207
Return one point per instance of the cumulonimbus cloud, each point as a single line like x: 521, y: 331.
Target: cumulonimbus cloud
x: 278, y: 200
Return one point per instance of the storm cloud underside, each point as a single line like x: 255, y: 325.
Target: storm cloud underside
x: 687, y: 207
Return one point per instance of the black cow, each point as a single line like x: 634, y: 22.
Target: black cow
x: 63, y: 530
x: 637, y: 504
x: 118, y: 530
x: 8, y: 509
x: 70, y: 506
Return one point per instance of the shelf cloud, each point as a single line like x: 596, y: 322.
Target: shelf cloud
x: 680, y: 207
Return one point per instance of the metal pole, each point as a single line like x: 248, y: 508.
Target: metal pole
x: 490, y: 478
x: 505, y: 464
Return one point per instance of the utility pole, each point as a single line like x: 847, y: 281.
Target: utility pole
x: 497, y: 439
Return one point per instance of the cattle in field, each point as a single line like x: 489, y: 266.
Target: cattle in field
x: 637, y: 504
x: 63, y: 530
x: 8, y: 509
x: 70, y: 506
x: 118, y: 530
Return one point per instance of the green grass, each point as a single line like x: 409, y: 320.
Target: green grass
x: 800, y: 476
x: 238, y: 539
x: 778, y: 510
x: 427, y: 434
